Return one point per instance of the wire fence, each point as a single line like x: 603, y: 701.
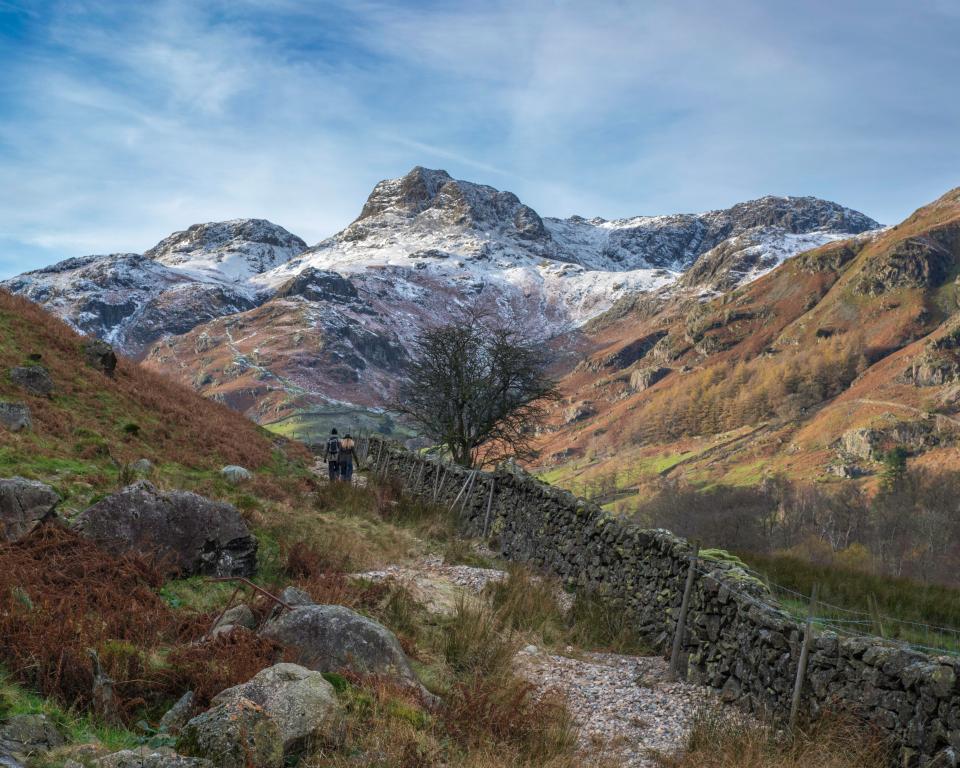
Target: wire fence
x: 848, y: 622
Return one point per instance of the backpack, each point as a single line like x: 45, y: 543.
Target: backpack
x: 333, y: 448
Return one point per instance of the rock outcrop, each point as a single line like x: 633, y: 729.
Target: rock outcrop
x: 23, y: 504
x: 646, y: 377
x: 26, y: 737
x: 100, y: 355
x: 192, y: 534
x: 32, y: 379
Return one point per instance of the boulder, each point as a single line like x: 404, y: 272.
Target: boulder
x: 147, y: 757
x: 177, y: 716
x: 25, y: 736
x: 15, y: 416
x: 330, y: 638
x: 23, y: 504
x: 300, y: 701
x: 100, y: 355
x: 33, y: 379
x: 142, y: 466
x: 194, y: 534
x: 238, y: 616
x: 234, y: 734
x: 234, y: 474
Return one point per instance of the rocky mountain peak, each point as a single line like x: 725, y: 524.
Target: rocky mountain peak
x: 795, y: 215
x: 432, y: 197
x: 237, y: 248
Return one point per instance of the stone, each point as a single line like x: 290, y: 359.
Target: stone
x: 23, y: 504
x: 15, y: 417
x: 177, y: 716
x: 100, y: 355
x: 331, y: 638
x: 193, y: 534
x: 238, y: 616
x: 294, y: 596
x: 147, y: 757
x: 142, y: 466
x: 25, y: 736
x: 300, y: 701
x: 233, y: 734
x: 33, y: 379
x: 234, y: 474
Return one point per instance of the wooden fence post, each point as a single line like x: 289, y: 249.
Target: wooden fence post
x: 466, y: 482
x: 486, y: 519
x: 441, y: 469
x: 682, y: 618
x: 804, y: 658
x: 473, y: 479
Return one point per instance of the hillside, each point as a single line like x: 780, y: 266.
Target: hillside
x: 92, y: 426
x: 812, y: 371
x: 300, y: 338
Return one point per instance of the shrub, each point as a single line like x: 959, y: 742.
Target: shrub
x: 209, y: 667
x: 718, y: 740
x: 61, y: 596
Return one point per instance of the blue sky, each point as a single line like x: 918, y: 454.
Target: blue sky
x: 123, y: 121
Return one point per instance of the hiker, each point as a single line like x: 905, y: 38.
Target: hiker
x: 332, y: 455
x: 348, y: 452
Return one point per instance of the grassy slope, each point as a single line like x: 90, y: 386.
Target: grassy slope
x: 764, y: 327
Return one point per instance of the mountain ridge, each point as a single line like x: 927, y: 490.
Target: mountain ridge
x: 206, y: 303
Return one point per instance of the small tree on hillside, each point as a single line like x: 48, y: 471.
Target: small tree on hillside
x: 477, y: 391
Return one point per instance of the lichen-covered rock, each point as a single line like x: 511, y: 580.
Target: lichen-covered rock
x: 15, y: 417
x: 234, y: 734
x: 147, y: 757
x: 26, y: 736
x: 300, y: 701
x: 23, y: 504
x: 33, y: 379
x: 193, y: 534
x: 330, y: 638
x: 100, y: 355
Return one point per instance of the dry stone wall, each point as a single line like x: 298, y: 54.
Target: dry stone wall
x: 737, y: 639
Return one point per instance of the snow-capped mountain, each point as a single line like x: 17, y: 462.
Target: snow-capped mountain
x: 190, y: 277
x: 245, y: 311
x: 228, y: 250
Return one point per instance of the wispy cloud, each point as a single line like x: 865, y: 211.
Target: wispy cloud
x: 120, y: 122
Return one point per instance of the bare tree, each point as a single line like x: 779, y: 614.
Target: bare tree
x: 476, y: 390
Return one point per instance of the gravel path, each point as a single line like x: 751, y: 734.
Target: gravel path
x: 624, y: 705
